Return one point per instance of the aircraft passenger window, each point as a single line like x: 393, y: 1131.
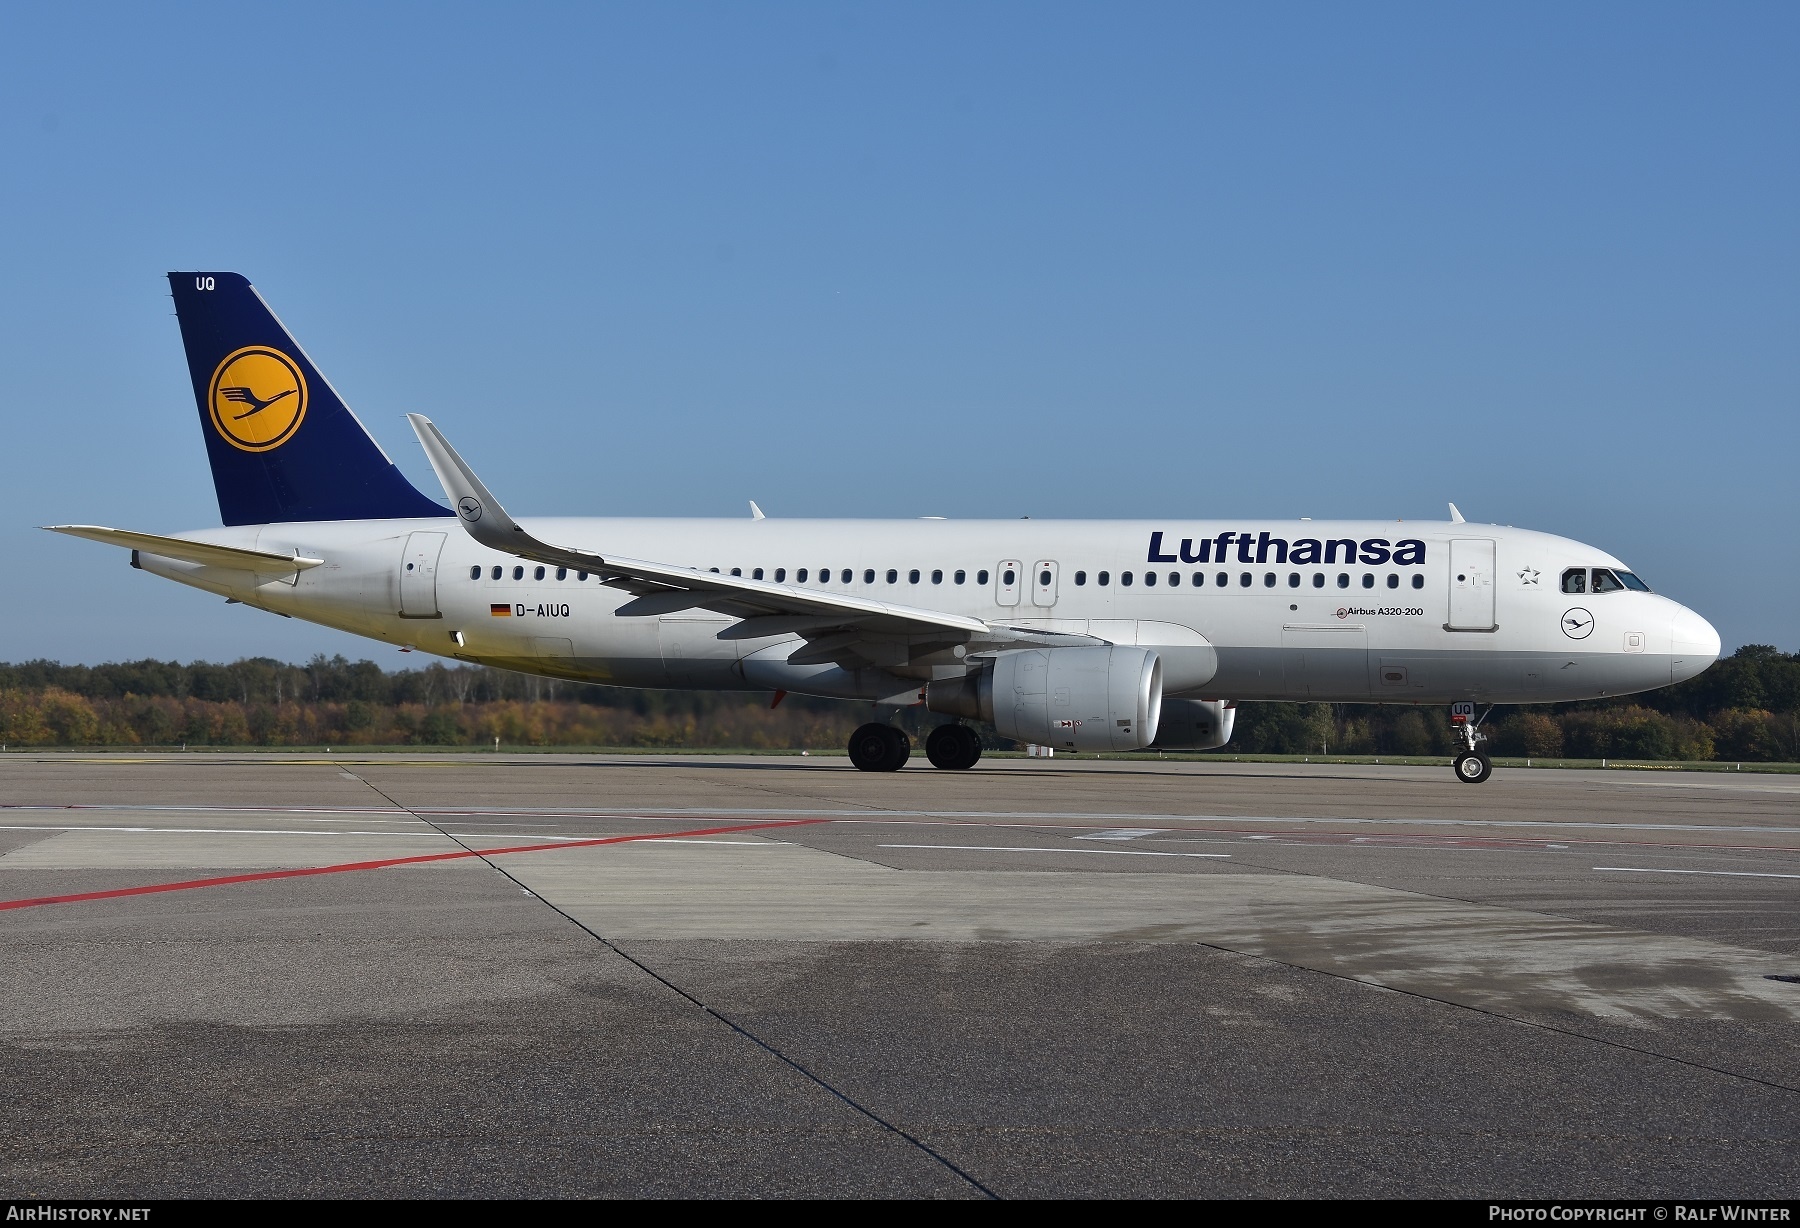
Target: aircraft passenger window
x: 1244, y: 580
x: 1418, y: 581
x: 847, y: 575
x: 824, y: 575
x: 1575, y: 580
x: 1080, y: 579
x: 1393, y: 581
x: 1149, y: 579
x: 780, y: 574
x: 1368, y: 580
x: 937, y: 575
x: 981, y: 576
x: 1318, y: 579
x: 960, y: 576
x: 1632, y: 582
x: 1221, y: 579
x: 755, y: 574
x: 1268, y: 579
x: 1174, y: 579
x: 714, y: 570
x: 538, y: 573
x: 518, y: 573
x: 1103, y: 579
x: 1007, y: 578
x: 868, y: 575
x: 912, y: 577
x: 1199, y: 579
x: 736, y: 571
x: 562, y: 573
x: 800, y: 576
x: 1343, y: 580
x: 1125, y: 578
x: 1605, y: 581
x: 581, y: 575
x: 496, y: 573
x: 893, y: 576
x: 475, y: 572
x: 1293, y: 579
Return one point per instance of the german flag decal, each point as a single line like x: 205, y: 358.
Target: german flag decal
x: 500, y: 611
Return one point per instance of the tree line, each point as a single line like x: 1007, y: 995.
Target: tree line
x: 1746, y: 707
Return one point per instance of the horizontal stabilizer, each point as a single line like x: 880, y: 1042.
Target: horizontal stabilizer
x: 205, y: 553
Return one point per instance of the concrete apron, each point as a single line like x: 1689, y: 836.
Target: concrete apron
x: 1489, y: 958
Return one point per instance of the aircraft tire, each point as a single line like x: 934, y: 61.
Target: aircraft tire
x: 953, y: 747
x: 1472, y: 768
x: 879, y: 748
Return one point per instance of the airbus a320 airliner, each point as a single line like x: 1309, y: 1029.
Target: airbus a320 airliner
x: 1074, y: 635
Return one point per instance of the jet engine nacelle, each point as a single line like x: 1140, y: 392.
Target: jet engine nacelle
x: 1090, y: 699
x: 1195, y: 724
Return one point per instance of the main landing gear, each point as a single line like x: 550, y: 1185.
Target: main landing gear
x: 1472, y: 764
x: 955, y: 747
x: 883, y: 748
x: 880, y: 748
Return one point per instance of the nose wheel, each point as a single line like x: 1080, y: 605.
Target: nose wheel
x: 1472, y: 765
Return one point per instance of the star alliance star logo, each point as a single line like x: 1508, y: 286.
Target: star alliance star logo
x: 1529, y: 575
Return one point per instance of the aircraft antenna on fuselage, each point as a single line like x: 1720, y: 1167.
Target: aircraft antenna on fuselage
x: 756, y: 513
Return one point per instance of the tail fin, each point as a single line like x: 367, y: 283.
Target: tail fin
x: 283, y: 446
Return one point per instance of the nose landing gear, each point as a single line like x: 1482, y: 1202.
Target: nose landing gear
x: 1472, y: 765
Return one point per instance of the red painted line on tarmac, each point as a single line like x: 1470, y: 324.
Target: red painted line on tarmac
x: 265, y: 875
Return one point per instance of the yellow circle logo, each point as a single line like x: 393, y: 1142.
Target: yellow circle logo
x: 258, y: 398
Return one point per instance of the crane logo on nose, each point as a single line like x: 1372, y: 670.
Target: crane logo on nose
x: 257, y: 399
x: 1577, y: 624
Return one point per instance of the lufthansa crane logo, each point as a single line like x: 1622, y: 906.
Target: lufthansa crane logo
x: 257, y: 399
x: 1577, y: 623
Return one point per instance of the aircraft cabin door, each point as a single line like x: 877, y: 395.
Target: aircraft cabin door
x: 418, y: 576
x: 1006, y: 582
x: 1471, y: 584
x: 1043, y: 583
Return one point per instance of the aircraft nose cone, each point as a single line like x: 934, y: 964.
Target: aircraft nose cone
x: 1694, y: 645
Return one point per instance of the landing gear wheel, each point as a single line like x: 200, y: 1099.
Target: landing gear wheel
x: 880, y: 748
x: 954, y: 747
x: 1472, y: 767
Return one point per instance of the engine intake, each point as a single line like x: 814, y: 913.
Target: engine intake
x: 1195, y: 724
x: 1090, y: 699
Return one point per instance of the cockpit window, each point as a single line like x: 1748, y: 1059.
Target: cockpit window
x: 1606, y: 582
x: 1632, y: 582
x: 1575, y: 580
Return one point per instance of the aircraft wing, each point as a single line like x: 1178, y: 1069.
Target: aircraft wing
x: 853, y: 631
x: 260, y: 562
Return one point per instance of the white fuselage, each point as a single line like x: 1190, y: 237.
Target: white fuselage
x: 1481, y: 616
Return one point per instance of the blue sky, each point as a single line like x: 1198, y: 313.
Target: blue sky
x: 966, y: 260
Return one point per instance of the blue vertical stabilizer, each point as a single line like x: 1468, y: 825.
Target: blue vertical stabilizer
x: 283, y: 446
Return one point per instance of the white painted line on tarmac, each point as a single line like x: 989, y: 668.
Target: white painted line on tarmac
x: 383, y: 835
x: 1719, y: 873
x: 1123, y: 833
x: 1012, y: 848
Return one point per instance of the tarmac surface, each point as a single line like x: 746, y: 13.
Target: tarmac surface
x: 699, y: 975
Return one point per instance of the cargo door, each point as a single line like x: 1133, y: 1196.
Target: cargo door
x: 418, y: 575
x: 1471, y: 584
x: 1325, y: 661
